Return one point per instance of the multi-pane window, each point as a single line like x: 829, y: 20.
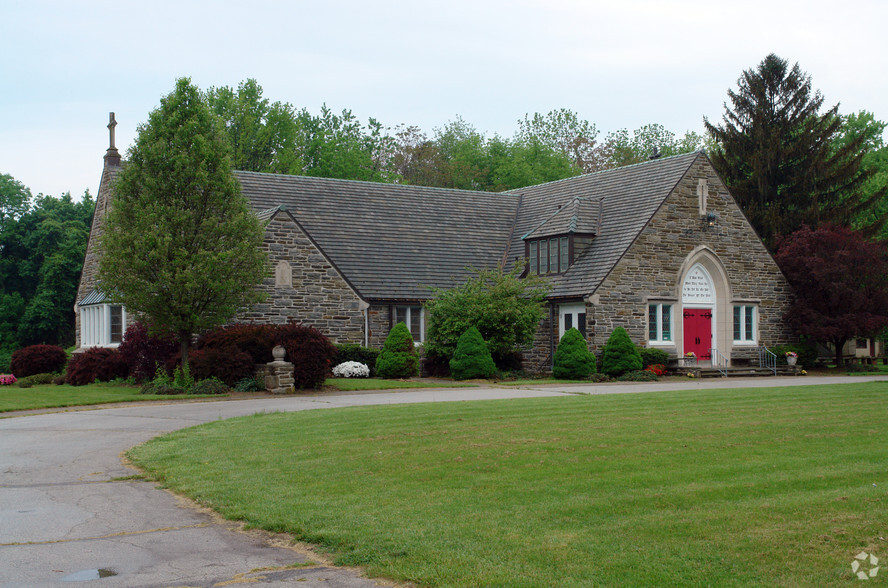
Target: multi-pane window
x: 549, y: 255
x: 413, y: 317
x: 744, y: 324
x: 102, y: 325
x: 659, y: 323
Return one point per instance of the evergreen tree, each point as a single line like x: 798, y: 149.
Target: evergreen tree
x: 181, y: 247
x: 775, y: 152
x: 398, y: 358
x: 472, y: 358
x: 573, y: 361
x: 620, y: 354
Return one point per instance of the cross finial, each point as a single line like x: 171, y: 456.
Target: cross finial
x: 112, y: 122
x: 112, y: 156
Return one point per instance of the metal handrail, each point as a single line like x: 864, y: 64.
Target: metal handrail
x: 719, y: 361
x: 767, y: 359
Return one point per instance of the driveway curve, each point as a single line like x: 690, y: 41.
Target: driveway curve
x: 72, y: 514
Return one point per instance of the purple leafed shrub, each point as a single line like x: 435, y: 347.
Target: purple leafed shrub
x: 143, y: 352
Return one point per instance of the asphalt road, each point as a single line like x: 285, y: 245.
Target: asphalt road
x: 69, y: 516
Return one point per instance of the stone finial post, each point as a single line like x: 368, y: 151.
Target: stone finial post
x: 279, y: 373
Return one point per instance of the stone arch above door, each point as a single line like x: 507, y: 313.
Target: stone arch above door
x: 702, y: 282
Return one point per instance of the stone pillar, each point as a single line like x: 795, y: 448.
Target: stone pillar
x: 279, y: 373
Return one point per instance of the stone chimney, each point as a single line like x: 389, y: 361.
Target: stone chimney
x: 112, y: 156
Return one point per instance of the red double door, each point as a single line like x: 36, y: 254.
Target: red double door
x: 697, y: 332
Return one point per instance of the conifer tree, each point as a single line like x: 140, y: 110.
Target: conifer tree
x: 398, y: 358
x: 620, y: 354
x: 573, y: 361
x: 472, y: 359
x: 181, y: 247
x: 775, y: 152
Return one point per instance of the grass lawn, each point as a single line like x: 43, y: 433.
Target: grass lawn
x: 52, y: 396
x: 745, y: 487
x: 353, y: 384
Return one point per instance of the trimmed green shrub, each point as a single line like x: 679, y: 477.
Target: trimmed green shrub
x: 620, y: 354
x: 472, y: 358
x: 38, y: 359
x: 354, y: 352
x: 573, y: 361
x: 650, y: 356
x: 807, y: 354
x: 398, y: 358
x: 251, y: 384
x: 638, y: 376
x: 38, y: 379
x: 210, y: 386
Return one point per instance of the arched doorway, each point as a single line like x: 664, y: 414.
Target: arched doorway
x: 698, y: 298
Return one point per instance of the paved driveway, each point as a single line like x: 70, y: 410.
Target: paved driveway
x: 67, y: 516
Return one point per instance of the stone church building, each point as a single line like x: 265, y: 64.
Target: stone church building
x: 659, y: 248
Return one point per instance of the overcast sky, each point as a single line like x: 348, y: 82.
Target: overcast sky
x: 624, y: 63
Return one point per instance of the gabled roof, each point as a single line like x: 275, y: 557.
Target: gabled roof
x: 580, y: 216
x: 629, y: 198
x: 391, y: 241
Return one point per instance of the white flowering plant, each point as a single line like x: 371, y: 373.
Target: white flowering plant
x: 351, y: 369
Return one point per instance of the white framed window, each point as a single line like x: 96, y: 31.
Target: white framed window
x: 414, y: 318
x: 102, y: 325
x: 660, y: 323
x: 571, y: 316
x: 745, y: 324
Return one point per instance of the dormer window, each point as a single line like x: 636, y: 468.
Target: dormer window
x: 549, y: 256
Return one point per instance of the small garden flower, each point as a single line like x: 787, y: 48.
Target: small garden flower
x: 7, y: 379
x: 351, y: 369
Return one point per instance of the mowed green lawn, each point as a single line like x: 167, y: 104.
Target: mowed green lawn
x: 52, y: 396
x: 746, y: 487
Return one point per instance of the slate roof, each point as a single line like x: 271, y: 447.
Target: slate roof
x: 580, y: 216
x: 396, y: 242
x: 629, y: 198
x: 391, y: 241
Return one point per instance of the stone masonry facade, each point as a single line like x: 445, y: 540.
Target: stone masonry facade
x: 303, y: 285
x: 653, y: 267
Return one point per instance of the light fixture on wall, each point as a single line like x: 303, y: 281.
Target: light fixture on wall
x: 709, y: 220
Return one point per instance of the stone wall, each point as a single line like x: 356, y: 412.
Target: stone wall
x: 675, y: 239
x: 303, y: 285
x: 655, y: 264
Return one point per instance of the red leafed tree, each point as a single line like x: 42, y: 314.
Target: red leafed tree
x: 841, y: 284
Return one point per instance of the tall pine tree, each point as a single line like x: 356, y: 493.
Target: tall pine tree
x: 776, y: 153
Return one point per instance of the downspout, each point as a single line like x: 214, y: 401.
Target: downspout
x: 365, y: 308
x: 551, y: 336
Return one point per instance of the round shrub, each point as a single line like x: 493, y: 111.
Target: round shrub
x: 351, y: 369
x: 162, y: 388
x: 210, y: 386
x: 309, y: 351
x: 472, y: 358
x: 398, y: 358
x: 143, y: 352
x: 620, y: 354
x: 638, y: 376
x: 573, y: 361
x: 251, y: 384
x: 82, y: 367
x: 38, y: 359
x: 651, y: 356
x: 357, y: 353
x: 39, y: 379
